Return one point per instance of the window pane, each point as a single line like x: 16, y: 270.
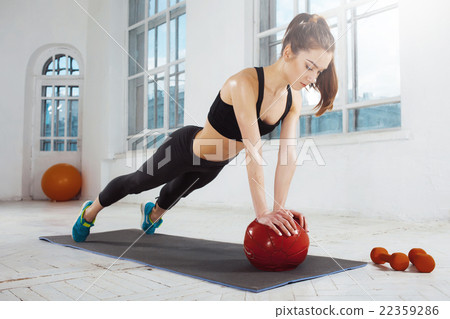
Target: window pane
x: 180, y: 108
x: 151, y: 105
x: 372, y: 118
x: 270, y: 48
x: 73, y: 67
x: 173, y: 100
x: 135, y: 105
x: 374, y: 5
x: 301, y: 6
x: 173, y: 2
x: 135, y: 11
x: 60, y: 64
x: 155, y: 111
x: 60, y: 117
x: 161, y: 45
x: 318, y: 6
x: 162, y: 5
x: 178, y: 37
x: 46, y: 118
x: 45, y: 145
x: 72, y: 145
x: 58, y: 145
x: 151, y: 48
x: 155, y: 141
x: 332, y: 23
x: 181, y: 37
x: 151, y: 7
x: 135, y: 143
x: 275, y: 13
x: 60, y: 91
x: 136, y: 51
x: 173, y: 39
x: 72, y: 118
x: 176, y: 99
x: 328, y: 123
x: 48, y: 67
x: 74, y: 91
x: 350, y: 57
x: 160, y: 102
x: 284, y: 11
x: 47, y: 91
x: 378, y: 70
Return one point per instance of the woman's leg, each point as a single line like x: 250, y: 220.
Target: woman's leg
x: 181, y: 187
x: 95, y: 208
x: 168, y: 162
x: 91, y: 212
x: 119, y: 188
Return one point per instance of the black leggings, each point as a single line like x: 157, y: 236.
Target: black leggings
x: 174, y: 164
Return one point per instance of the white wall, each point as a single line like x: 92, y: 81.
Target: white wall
x: 25, y: 27
x: 424, y: 30
x: 104, y: 125
x: 219, y: 44
x: 399, y: 174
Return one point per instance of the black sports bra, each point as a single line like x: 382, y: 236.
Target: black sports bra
x: 222, y: 117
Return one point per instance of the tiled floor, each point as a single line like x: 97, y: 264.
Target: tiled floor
x: 31, y: 269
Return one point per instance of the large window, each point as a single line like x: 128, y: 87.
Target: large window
x: 156, y: 74
x: 366, y: 58
x: 59, y: 104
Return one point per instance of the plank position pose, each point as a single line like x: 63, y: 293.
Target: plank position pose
x: 250, y: 104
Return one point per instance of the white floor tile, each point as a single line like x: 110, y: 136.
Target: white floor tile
x: 35, y: 270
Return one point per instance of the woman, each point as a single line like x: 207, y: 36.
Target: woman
x: 188, y: 160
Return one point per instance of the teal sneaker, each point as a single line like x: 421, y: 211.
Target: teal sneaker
x: 146, y: 224
x: 81, y: 229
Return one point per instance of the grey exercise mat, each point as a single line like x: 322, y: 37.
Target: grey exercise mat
x: 213, y: 261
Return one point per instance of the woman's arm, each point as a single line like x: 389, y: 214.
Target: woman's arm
x: 286, y: 164
x: 244, y: 96
x: 287, y: 157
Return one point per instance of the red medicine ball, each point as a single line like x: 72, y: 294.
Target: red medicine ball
x: 268, y: 251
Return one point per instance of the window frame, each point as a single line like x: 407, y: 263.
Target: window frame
x: 151, y: 74
x: 341, y: 56
x: 54, y: 80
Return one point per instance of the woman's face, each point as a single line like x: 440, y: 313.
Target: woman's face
x: 304, y: 68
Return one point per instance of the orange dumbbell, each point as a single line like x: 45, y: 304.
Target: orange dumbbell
x: 420, y: 259
x: 398, y: 261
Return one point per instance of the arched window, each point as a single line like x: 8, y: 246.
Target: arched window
x: 61, y: 64
x: 60, y: 94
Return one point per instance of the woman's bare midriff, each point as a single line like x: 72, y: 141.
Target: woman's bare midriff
x: 212, y: 146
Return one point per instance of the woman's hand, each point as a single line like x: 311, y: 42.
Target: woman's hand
x: 279, y: 220
x: 300, y: 218
x: 283, y: 219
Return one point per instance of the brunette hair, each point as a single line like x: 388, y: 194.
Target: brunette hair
x: 311, y: 31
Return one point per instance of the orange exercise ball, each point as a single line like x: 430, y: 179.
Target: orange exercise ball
x: 61, y: 182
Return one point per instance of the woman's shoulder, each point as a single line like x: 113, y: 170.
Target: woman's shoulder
x: 246, y: 78
x: 247, y: 75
